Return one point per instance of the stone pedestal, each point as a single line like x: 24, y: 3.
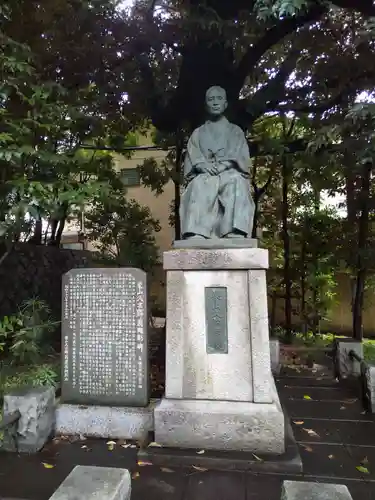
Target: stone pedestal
x: 110, y: 422
x: 220, y: 393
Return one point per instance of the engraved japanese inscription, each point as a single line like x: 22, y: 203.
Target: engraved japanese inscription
x: 104, y: 337
x: 216, y: 320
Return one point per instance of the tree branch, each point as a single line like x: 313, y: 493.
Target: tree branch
x: 283, y: 28
x: 260, y: 191
x: 365, y: 7
x: 267, y: 97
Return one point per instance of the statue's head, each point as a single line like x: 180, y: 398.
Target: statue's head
x: 216, y: 100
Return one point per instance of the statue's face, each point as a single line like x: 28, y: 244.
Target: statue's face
x: 216, y: 101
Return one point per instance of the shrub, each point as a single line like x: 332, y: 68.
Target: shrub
x: 22, y: 335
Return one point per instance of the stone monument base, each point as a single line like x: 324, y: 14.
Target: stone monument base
x: 105, y: 421
x: 288, y: 463
x: 214, y: 243
x: 220, y: 425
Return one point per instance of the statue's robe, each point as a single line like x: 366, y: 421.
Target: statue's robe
x: 216, y: 205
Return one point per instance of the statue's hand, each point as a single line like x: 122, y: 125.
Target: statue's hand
x: 207, y: 168
x: 228, y: 164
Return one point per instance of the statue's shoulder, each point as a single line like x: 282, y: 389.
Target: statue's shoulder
x: 195, y: 134
x: 236, y: 129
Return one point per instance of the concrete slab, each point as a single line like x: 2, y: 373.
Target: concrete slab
x: 95, y: 483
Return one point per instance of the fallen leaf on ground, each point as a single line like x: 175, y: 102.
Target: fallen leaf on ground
x: 311, y: 432
x: 200, y: 452
x: 111, y: 445
x: 308, y: 448
x: 307, y: 397
x: 299, y: 422
x: 128, y: 445
x: 141, y: 463
x: 135, y: 475
x: 47, y: 466
x: 155, y: 445
x: 165, y: 469
x: 362, y: 469
x: 331, y: 457
x: 199, y: 469
x: 342, y: 407
x: 257, y: 458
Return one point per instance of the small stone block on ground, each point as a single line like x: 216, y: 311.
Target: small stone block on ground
x: 95, y: 483
x: 370, y: 386
x: 36, y: 424
x: 275, y: 356
x: 299, y: 490
x: 349, y: 367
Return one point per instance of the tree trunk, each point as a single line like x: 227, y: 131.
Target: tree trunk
x: 316, y: 291
x: 256, y: 212
x: 37, y: 231
x: 57, y: 224
x: 361, y: 265
x: 59, y: 231
x: 303, y: 286
x: 273, y: 313
x: 286, y: 241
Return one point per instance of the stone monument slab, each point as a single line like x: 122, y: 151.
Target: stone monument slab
x: 104, y: 337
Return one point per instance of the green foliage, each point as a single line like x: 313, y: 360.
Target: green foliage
x: 278, y: 8
x: 22, y: 335
x: 369, y: 351
x: 47, y: 374
x: 55, y: 96
x: 124, y: 232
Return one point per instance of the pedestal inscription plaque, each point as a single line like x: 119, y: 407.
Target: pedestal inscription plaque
x: 216, y: 320
x: 104, y: 337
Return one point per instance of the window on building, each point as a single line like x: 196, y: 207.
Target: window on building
x: 130, y: 177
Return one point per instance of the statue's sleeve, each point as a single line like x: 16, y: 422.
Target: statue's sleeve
x: 193, y: 156
x: 239, y: 151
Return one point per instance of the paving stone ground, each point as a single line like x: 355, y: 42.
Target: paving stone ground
x: 334, y: 436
